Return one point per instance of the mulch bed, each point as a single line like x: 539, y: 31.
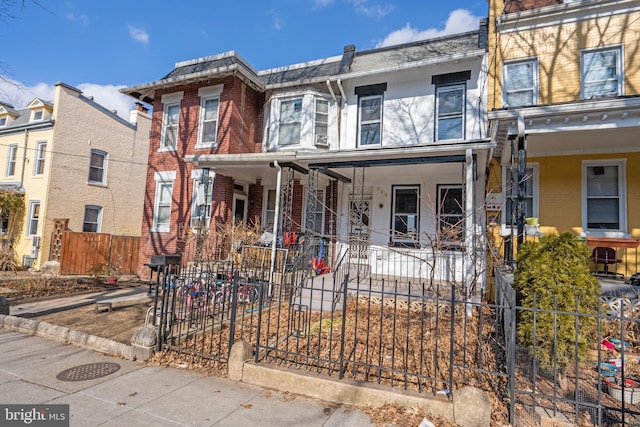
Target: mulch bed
x: 23, y: 289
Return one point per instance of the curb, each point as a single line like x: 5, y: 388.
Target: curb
x: 66, y: 335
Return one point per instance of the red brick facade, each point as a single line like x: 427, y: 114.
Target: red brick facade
x: 239, y: 131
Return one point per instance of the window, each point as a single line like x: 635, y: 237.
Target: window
x: 290, y: 121
x: 601, y: 73
x: 520, y: 83
x: 11, y: 160
x: 162, y: 215
x: 38, y: 168
x: 450, y: 112
x: 97, y: 167
x: 170, y: 128
x: 208, y: 121
x: 269, y: 208
x: 92, y: 219
x: 603, y: 195
x: 530, y: 194
x: 3, y: 122
x: 318, y: 218
x: 34, y: 217
x: 322, y: 122
x: 37, y: 115
x: 450, y: 214
x: 370, y: 114
x: 406, y: 214
x: 201, y: 202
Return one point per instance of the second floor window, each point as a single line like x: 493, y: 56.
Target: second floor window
x: 322, y: 122
x: 601, y: 73
x: 92, y: 219
x: 520, y: 83
x: 38, y: 168
x: 450, y: 112
x: 11, y: 160
x: 290, y: 121
x: 209, y: 121
x: 170, y: 126
x: 370, y: 116
x: 97, y: 167
x: 37, y: 115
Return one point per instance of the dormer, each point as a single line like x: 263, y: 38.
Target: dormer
x: 39, y: 110
x: 7, y: 114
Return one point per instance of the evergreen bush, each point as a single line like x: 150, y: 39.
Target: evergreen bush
x: 555, y: 272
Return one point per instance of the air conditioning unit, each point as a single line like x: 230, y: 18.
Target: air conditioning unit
x: 36, y: 241
x: 322, y: 141
x: 196, y: 222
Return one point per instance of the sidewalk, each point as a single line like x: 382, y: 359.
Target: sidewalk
x: 139, y: 395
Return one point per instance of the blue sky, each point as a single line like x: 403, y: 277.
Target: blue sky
x: 101, y: 46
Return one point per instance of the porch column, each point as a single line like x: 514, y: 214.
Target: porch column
x: 287, y: 200
x: 312, y: 201
x: 469, y: 221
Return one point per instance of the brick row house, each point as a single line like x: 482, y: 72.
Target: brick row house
x: 381, y: 154
x: 563, y: 108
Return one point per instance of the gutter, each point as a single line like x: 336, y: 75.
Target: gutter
x: 24, y: 157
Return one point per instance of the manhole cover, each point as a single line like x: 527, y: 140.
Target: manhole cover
x: 90, y: 371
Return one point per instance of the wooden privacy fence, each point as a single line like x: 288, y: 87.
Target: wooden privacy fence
x: 86, y: 253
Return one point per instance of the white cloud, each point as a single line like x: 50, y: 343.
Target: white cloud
x: 278, y: 23
x: 107, y: 96
x: 322, y: 3
x: 83, y: 19
x: 459, y: 21
x: 372, y: 11
x: 139, y: 35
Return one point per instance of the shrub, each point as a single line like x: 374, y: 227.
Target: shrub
x: 556, y: 270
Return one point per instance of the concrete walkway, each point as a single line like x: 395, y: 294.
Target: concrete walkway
x: 139, y: 395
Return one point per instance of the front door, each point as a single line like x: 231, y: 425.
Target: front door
x: 240, y: 208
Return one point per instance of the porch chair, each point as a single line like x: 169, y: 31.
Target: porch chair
x: 606, y: 256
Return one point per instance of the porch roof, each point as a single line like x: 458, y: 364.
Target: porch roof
x: 579, y: 127
x: 252, y: 166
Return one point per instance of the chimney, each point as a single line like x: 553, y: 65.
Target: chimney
x: 139, y: 109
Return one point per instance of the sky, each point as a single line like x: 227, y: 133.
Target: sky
x: 102, y: 46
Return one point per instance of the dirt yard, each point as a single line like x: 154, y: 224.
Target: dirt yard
x: 118, y: 325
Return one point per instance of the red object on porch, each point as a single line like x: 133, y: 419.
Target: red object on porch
x: 319, y: 266
x: 289, y: 239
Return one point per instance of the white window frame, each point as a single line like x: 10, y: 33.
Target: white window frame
x: 34, y: 221
x: 404, y: 240
x: 265, y: 207
x: 3, y: 122
x: 534, y: 89
x: 170, y: 100
x: 440, y: 214
x: 321, y: 118
x: 621, y: 231
x: 39, y: 163
x: 534, y: 180
x: 12, y: 155
x: 208, y: 93
x: 377, y: 121
x: 98, y: 223
x: 619, y: 71
x: 35, y: 113
x: 321, y: 201
x: 103, y: 168
x: 282, y: 122
x: 462, y: 87
x: 198, y: 196
x: 162, y: 179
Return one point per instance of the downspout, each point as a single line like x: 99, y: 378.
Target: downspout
x: 276, y: 220
x: 344, y: 100
x: 335, y: 100
x: 24, y: 158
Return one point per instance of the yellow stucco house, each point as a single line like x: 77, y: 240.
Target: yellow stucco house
x: 78, y: 166
x: 563, y: 100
